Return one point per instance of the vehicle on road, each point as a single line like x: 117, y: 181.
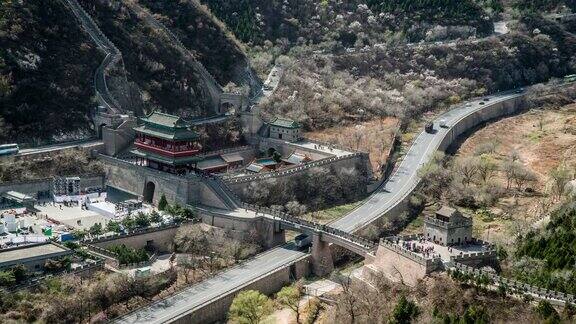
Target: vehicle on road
x: 486, y: 99
x: 9, y: 149
x: 481, y: 102
x: 429, y: 127
x: 443, y: 123
x: 520, y: 90
x: 303, y: 240
x: 267, y: 87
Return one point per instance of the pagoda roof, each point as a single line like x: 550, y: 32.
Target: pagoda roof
x: 284, y: 123
x: 166, y: 159
x: 166, y: 127
x: 166, y: 120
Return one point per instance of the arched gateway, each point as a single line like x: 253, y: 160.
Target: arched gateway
x: 149, y: 192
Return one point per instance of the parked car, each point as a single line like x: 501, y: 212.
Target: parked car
x: 429, y: 127
x: 443, y: 123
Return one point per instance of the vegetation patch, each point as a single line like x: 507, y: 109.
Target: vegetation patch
x: 46, y: 68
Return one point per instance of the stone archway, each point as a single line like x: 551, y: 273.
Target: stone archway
x: 149, y: 189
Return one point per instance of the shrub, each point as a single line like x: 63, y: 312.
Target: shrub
x: 127, y: 255
x: 163, y: 203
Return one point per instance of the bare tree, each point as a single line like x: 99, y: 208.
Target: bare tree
x: 560, y: 177
x: 486, y: 167
x: 524, y: 176
x: 467, y: 167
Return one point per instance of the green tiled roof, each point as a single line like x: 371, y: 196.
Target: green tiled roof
x: 167, y: 127
x: 179, y: 134
x: 162, y: 119
x: 165, y: 159
x: 284, y: 122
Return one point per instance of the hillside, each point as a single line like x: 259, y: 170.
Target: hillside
x: 47, y: 65
x: 345, y: 22
x: 406, y: 81
x: 202, y: 35
x: 165, y: 77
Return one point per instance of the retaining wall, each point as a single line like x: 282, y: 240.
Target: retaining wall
x: 216, y: 310
x: 240, y: 228
x: 159, y: 238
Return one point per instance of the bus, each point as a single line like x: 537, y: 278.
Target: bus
x: 302, y: 240
x: 570, y: 78
x: 9, y: 149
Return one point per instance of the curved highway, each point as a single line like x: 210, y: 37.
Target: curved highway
x: 405, y: 178
x: 388, y: 196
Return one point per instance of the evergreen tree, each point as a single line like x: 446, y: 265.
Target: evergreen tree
x: 163, y: 203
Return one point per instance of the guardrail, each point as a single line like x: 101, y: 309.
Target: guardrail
x: 310, y: 226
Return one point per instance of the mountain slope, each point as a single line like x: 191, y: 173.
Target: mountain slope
x: 47, y: 65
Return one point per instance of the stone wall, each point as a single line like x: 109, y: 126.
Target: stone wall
x: 179, y: 189
x: 241, y: 228
x: 477, y: 260
x: 403, y: 266
x: 118, y: 139
x: 287, y: 178
x: 160, y: 238
x: 286, y: 148
x: 133, y: 179
x: 515, y: 286
x: 216, y: 309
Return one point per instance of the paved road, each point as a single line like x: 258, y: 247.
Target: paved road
x: 59, y: 147
x: 402, y: 182
x: 405, y: 178
x: 186, y: 301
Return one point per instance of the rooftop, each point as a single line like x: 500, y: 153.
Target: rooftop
x: 296, y: 158
x: 162, y: 119
x: 450, y: 215
x: 284, y: 123
x: 232, y: 157
x: 31, y: 251
x: 214, y: 162
x: 166, y: 126
x: 17, y: 196
x: 255, y: 167
x: 266, y: 162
